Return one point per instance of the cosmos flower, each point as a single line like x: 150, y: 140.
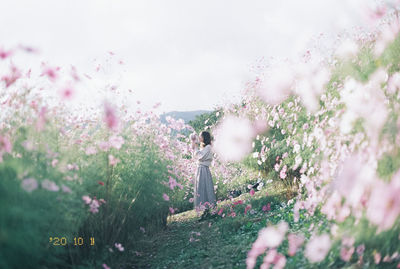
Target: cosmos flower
x: 29, y: 184
x: 119, y: 246
x: 110, y: 117
x: 295, y: 241
x: 233, y: 138
x: 317, y: 248
x: 50, y: 185
x: 166, y: 197
x: 275, y: 87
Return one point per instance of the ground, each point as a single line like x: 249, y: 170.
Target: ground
x: 217, y: 242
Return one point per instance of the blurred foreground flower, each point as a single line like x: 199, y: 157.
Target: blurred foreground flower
x: 277, y: 86
x: 110, y: 117
x: 270, y: 237
x: 317, y: 248
x: 233, y: 138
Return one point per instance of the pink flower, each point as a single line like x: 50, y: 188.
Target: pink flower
x: 360, y: 249
x: 384, y: 203
x: 86, y: 199
x: 49, y: 185
x: 377, y: 257
x: 5, y: 144
x: 273, y: 257
x: 171, y: 210
x: 276, y: 167
x: 116, y: 141
x: 90, y: 150
x: 103, y: 145
x: 74, y: 74
x: 194, y: 137
x: 29, y: 184
x: 282, y: 174
x: 27, y: 49
x: 67, y: 93
x: 295, y: 241
x: 12, y: 78
x: 105, y: 266
x: 119, y: 246
x: 112, y: 160
x: 166, y: 197
x: 110, y: 117
x: 273, y: 236
x: 51, y: 72
x: 346, y: 253
x: 54, y: 162
x: 94, y: 206
x: 233, y: 138
x: 70, y: 167
x: 42, y: 119
x: 172, y: 183
x: 65, y: 189
x: 220, y: 211
x: 267, y: 237
x: 252, y: 191
x: 260, y: 126
x: 248, y: 207
x: 275, y: 88
x: 239, y: 202
x: 317, y: 248
x: 5, y: 54
x: 101, y: 183
x: 266, y: 207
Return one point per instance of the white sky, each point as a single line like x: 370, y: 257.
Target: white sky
x: 185, y: 54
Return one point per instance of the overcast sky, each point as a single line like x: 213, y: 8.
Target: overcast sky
x: 185, y: 54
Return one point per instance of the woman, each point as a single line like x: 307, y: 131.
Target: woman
x: 204, y: 188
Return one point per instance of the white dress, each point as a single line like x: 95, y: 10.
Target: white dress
x: 204, y: 194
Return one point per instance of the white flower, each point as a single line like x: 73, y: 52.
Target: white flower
x: 296, y: 148
x: 119, y: 247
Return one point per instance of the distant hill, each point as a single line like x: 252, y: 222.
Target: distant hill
x: 185, y: 115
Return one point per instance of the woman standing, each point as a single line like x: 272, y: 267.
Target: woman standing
x: 203, y: 188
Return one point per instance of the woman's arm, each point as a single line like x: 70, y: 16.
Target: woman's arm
x: 201, y: 154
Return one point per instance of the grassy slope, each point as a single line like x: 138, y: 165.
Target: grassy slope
x: 222, y: 243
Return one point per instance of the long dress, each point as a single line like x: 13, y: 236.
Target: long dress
x: 204, y: 194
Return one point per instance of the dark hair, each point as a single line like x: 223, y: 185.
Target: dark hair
x: 206, y: 138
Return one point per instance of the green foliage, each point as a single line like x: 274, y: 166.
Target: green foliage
x: 205, y: 121
x: 133, y: 193
x: 28, y: 220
